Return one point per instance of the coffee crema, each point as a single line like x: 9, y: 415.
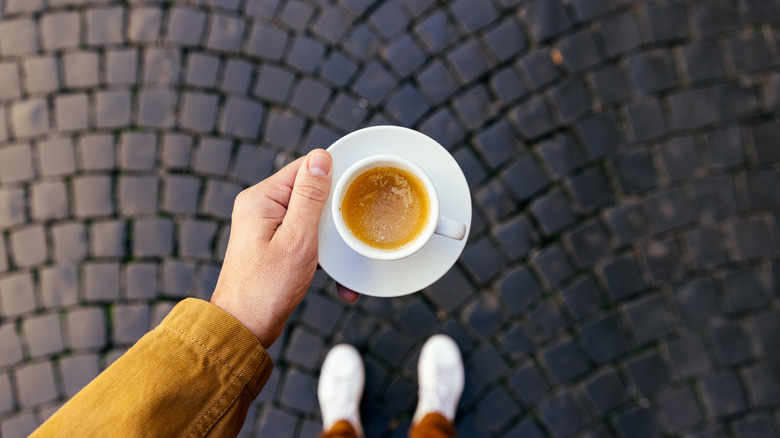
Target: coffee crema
x: 386, y: 207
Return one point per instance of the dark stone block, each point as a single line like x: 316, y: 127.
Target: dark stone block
x: 703, y: 61
x: 635, y: 170
x: 767, y: 327
x: 519, y: 289
x: 553, y: 265
x: 681, y: 158
x: 516, y: 237
x: 648, y: 373
x: 590, y: 189
x: 474, y: 107
x: 747, y: 288
x: 304, y: 348
x: 583, y: 297
x: 679, y: 410
x: 724, y: 395
x: 357, y: 329
x: 482, y: 260
x: 436, y: 32
x: 622, y: 277
x: 486, y: 365
x: 437, y: 83
x: 505, y: 40
x: 553, y: 212
x: 716, y: 16
x: 688, y: 357
x: 751, y: 238
x: 579, y: 51
x: 587, y: 10
x: 456, y: 331
x: 546, y: 18
x: 697, y: 302
x: 452, y: 290
x: 761, y: 11
x: 391, y: 346
x: 695, y: 108
x: 732, y: 344
x: 605, y: 339
x: 648, y: 318
x: 570, y: 100
x: 606, y: 391
x: 539, y: 68
x: 517, y: 343
x: 653, y: 71
x: 737, y: 101
x: 404, y: 55
x: 469, y: 61
x: 547, y: 321
x: 601, y: 134
x: 667, y: 21
x: 706, y: 247
x: 663, y: 260
x: 526, y: 429
x: 524, y: 177
x: 532, y: 118
x: 484, y: 316
x: 611, y: 85
x: 321, y: 313
x: 495, y: 201
x: 724, y: 147
x: 715, y: 197
x: 399, y: 395
x: 374, y: 83
x: 621, y: 33
x: 496, y: 409
x: 563, y: 414
x: 764, y: 385
x: 764, y: 141
x: 299, y: 391
x: 417, y: 318
x: 646, y: 120
x: 338, y: 69
x: 670, y: 209
x: 589, y: 243
x: 407, y: 105
x: 638, y: 423
x: 442, y: 127
x: 763, y: 189
x: 497, y: 144
x: 528, y: 383
x: 755, y: 425
x: 565, y: 361
x: 628, y: 223
x: 506, y: 83
x: 750, y: 53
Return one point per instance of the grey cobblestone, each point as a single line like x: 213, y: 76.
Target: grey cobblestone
x: 16, y: 165
x: 112, y: 109
x: 49, y: 200
x: 86, y: 328
x: 19, y: 37
x: 9, y: 74
x: 11, y: 347
x: 96, y: 152
x: 161, y: 66
x: 40, y: 74
x: 35, y: 383
x: 130, y: 322
x: 43, y: 334
x: 71, y: 112
x: 105, y: 26
x: 59, y: 286
x: 70, y: 242
x: 30, y: 118
x: 28, y: 245
x: 101, y: 281
x: 60, y: 30
x: 154, y: 237
x: 121, y: 66
x: 144, y: 24
x: 77, y: 371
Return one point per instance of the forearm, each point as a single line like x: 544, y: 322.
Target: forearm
x: 194, y: 375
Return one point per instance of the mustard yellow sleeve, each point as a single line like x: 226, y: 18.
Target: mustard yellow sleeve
x: 192, y: 376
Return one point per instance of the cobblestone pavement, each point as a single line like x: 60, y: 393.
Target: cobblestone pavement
x: 621, y: 276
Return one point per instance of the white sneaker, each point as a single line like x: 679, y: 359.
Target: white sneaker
x: 341, y: 387
x: 441, y: 376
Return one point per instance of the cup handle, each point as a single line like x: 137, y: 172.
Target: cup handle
x: 450, y: 228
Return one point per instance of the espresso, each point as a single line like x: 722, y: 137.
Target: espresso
x: 386, y: 207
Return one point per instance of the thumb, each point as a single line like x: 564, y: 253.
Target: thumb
x: 310, y: 191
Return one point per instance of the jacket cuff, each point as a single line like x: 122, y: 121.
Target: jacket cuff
x: 216, y: 331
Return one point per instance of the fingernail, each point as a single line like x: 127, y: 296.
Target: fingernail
x: 319, y: 164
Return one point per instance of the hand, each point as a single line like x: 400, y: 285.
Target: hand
x: 272, y: 251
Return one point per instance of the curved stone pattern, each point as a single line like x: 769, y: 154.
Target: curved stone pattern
x: 620, y: 278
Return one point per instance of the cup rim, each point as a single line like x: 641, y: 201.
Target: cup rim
x: 358, y: 169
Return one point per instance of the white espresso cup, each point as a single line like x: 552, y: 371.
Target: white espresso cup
x: 435, y: 223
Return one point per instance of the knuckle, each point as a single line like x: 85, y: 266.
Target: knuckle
x: 311, y: 192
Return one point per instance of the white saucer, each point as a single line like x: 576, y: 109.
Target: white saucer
x: 423, y: 268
